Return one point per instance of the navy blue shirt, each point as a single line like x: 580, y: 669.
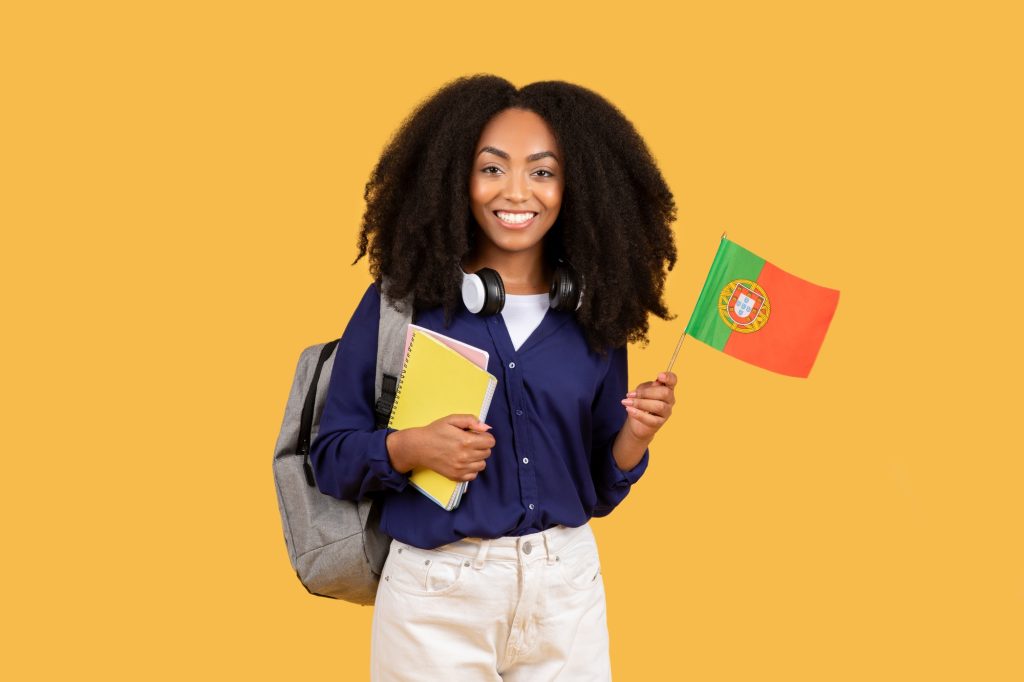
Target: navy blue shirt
x: 554, y: 416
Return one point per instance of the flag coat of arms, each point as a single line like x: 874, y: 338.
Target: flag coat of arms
x: 759, y: 313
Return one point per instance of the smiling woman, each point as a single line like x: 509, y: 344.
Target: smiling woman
x: 480, y: 145
x: 515, y: 193
x: 549, y: 194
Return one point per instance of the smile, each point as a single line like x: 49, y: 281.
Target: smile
x: 515, y: 218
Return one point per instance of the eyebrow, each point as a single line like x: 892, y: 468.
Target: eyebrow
x: 505, y: 155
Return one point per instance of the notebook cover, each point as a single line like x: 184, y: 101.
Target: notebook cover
x: 437, y: 381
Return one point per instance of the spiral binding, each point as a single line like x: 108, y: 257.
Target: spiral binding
x: 401, y: 381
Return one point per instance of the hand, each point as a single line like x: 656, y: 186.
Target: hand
x: 650, y: 405
x: 456, y: 446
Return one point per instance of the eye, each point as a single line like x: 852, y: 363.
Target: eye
x: 485, y: 169
x: 544, y: 170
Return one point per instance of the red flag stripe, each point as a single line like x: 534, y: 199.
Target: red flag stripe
x: 800, y: 315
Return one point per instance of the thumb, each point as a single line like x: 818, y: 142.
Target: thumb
x: 466, y: 421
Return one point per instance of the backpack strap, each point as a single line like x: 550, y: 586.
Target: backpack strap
x: 390, y: 345
x: 308, y: 410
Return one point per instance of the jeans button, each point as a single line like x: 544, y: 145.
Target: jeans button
x: 527, y: 548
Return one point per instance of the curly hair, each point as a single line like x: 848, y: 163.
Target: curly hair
x: 613, y: 225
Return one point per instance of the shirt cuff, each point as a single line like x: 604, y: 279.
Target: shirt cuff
x: 613, y: 476
x: 380, y: 463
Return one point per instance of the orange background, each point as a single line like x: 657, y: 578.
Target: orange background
x: 180, y: 190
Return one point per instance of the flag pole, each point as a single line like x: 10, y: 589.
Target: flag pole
x: 678, y: 346
x: 680, y: 343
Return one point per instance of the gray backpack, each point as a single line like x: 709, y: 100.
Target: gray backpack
x: 336, y: 547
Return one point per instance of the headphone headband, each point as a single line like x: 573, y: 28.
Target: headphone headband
x: 483, y: 292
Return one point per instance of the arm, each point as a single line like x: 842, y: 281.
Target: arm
x: 351, y: 458
x: 349, y: 455
x: 618, y: 458
x: 621, y: 464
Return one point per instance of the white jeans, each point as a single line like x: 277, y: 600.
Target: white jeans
x: 523, y: 609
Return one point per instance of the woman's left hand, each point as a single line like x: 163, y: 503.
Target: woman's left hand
x: 650, y: 406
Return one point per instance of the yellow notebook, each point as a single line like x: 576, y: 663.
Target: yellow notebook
x: 435, y: 382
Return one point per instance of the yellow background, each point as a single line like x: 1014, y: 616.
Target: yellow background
x: 180, y: 196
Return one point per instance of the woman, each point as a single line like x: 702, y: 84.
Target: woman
x: 545, y: 184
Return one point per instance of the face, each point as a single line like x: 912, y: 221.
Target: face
x: 516, y: 183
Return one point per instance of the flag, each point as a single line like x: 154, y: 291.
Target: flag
x: 754, y: 311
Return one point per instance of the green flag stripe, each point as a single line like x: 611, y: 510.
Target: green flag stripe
x: 731, y: 262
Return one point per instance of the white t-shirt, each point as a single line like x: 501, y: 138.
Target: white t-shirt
x: 522, y: 314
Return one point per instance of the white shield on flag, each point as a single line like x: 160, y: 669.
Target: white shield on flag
x: 744, y: 304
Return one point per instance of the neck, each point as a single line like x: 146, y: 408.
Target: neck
x: 522, y: 272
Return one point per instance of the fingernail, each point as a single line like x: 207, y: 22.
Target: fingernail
x: 631, y: 394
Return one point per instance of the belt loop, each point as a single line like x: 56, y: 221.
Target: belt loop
x: 548, y: 548
x: 481, y: 555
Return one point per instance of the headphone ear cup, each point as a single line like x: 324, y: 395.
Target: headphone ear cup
x: 474, y: 294
x: 565, y: 294
x: 494, y: 291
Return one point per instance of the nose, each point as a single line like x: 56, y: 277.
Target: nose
x: 517, y: 188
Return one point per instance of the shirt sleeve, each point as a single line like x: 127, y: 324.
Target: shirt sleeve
x: 609, y: 416
x: 349, y: 455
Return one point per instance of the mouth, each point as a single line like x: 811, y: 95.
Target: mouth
x: 515, y: 219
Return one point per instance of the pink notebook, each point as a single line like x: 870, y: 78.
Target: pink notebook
x: 475, y: 355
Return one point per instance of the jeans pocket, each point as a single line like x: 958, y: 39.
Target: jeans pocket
x: 579, y: 564
x: 424, y: 571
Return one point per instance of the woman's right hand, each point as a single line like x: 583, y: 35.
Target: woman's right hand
x: 444, y: 445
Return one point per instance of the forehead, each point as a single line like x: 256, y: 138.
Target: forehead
x: 519, y: 132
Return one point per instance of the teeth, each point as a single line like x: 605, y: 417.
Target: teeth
x: 517, y: 218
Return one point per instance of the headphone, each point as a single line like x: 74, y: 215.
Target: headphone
x: 483, y: 292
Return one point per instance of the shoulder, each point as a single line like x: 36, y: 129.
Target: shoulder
x: 602, y: 358
x: 375, y: 295
x: 369, y: 304
x: 613, y: 364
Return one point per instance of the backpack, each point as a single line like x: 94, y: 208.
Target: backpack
x: 335, y: 546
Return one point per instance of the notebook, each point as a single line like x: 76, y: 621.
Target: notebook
x: 479, y: 357
x: 437, y: 381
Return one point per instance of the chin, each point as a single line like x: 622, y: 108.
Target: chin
x: 507, y: 244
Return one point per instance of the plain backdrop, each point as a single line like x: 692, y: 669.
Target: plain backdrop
x: 180, y: 194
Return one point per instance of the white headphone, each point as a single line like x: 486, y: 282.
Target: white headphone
x: 483, y: 292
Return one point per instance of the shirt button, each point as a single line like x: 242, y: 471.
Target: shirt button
x: 531, y: 505
x: 526, y: 460
x: 511, y: 365
x: 519, y: 413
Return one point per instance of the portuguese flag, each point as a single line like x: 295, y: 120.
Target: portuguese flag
x: 756, y: 312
